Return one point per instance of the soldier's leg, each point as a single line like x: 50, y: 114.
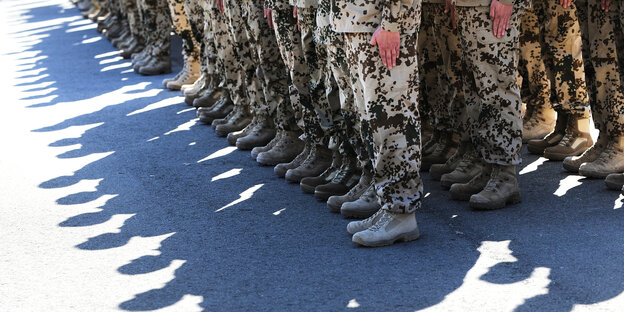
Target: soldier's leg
x: 494, y: 110
x: 540, y: 117
x: 607, y: 155
x: 395, y: 146
x: 429, y: 90
x: 208, y: 91
x: 157, y: 23
x: 136, y: 41
x: 195, y: 14
x: 563, y: 38
x: 190, y: 48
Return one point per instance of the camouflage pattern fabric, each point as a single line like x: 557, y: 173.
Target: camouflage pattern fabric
x: 195, y: 15
x: 157, y: 24
x: 491, y: 89
x: 390, y: 121
x: 134, y: 19
x: 562, y: 34
x: 264, y: 45
x: 599, y: 31
x: 182, y: 28
x: 209, y: 41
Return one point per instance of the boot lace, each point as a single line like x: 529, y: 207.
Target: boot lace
x: 382, y: 222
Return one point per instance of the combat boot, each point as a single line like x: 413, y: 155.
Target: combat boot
x: 389, y: 228
x: 261, y: 134
x: 539, y: 124
x: 576, y: 140
x: 430, y: 145
x: 502, y: 189
x: 235, y: 113
x: 615, y: 181
x: 281, y: 168
x: 334, y: 203
x: 611, y: 160
x: 463, y: 191
x: 194, y: 89
x: 437, y: 170
x: 203, y: 116
x: 537, y: 147
x: 359, y: 226
x: 442, y: 151
x: 286, y: 153
x: 345, y: 179
x: 209, y: 97
x: 318, y: 160
x: 221, y: 109
x: 468, y: 167
x: 573, y: 163
x: 84, y: 5
x: 116, y: 35
x: 261, y: 149
x: 232, y: 137
x: 140, y: 62
x: 234, y: 124
x: 309, y: 184
x: 141, y: 55
x: 426, y: 130
x: 157, y: 66
x: 366, y: 205
x: 95, y: 6
x: 188, y: 75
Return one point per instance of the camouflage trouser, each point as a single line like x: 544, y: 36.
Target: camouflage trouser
x: 349, y: 125
x: 157, y: 24
x: 134, y: 20
x: 491, y: 89
x: 534, y: 61
x: 114, y: 7
x: 183, y: 29
x: 291, y: 50
x: 227, y: 62
x: 562, y: 35
x: 208, y: 40
x: 387, y: 101
x: 245, y: 53
x: 599, y: 32
x: 429, y: 61
x: 319, y: 127
x: 267, y: 56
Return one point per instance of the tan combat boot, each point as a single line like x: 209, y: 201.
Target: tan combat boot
x: 463, y: 191
x: 156, y: 66
x: 573, y: 163
x: 209, y: 97
x: 189, y: 74
x: 615, y: 181
x: 260, y: 135
x: 437, y: 170
x: 389, y: 228
x: 196, y: 87
x: 429, y: 146
x: 345, y: 179
x: 309, y: 184
x: 442, y: 151
x: 281, y: 168
x: 364, y: 206
x: 232, y: 137
x: 318, y: 160
x: 502, y: 189
x: 237, y: 122
x: 359, y: 226
x: 541, y: 122
x: 468, y: 167
x: 537, y: 147
x: 334, y: 203
x: 575, y: 142
x: 220, y: 110
x: 261, y: 149
x: 611, y: 160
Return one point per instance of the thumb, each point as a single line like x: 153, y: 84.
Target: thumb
x: 374, y: 39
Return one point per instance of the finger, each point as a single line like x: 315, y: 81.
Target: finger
x: 492, y: 12
x: 374, y: 40
x: 393, y: 56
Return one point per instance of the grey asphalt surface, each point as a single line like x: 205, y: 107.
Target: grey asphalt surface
x: 113, y: 197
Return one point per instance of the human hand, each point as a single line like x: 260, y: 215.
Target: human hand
x: 500, y: 14
x: 389, y: 44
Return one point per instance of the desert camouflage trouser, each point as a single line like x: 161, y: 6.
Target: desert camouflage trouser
x: 245, y: 54
x: 599, y: 34
x: 194, y: 10
x: 182, y: 28
x: 491, y: 89
x: 269, y: 62
x: 319, y: 126
x: 562, y: 35
x: 129, y: 7
x: 208, y: 42
x: 387, y: 102
x: 535, y: 62
x: 291, y: 50
x: 157, y: 24
x: 226, y: 61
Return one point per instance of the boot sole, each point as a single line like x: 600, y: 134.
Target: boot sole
x: 308, y: 189
x: 333, y: 208
x: 560, y: 157
x: 324, y: 196
x: 405, y: 237
x: 570, y: 168
x: 515, y: 198
x: 613, y: 186
x: 597, y: 174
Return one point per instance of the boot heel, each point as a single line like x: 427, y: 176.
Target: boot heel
x: 515, y: 198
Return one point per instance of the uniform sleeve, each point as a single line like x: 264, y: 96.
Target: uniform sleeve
x: 392, y: 14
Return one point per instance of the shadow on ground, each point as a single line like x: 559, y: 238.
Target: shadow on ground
x: 269, y: 247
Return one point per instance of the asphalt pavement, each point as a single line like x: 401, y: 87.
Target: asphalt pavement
x: 113, y: 197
